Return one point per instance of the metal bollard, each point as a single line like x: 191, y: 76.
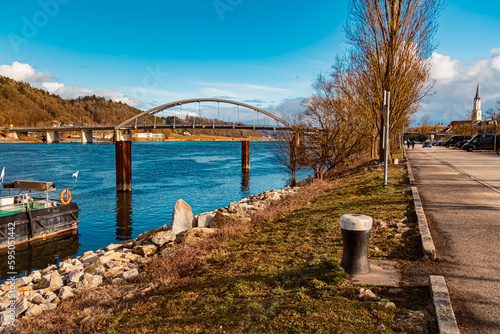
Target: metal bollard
x: 356, y: 235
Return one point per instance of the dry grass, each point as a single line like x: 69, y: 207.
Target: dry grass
x: 93, y: 308
x: 283, y: 275
x: 185, y: 261
x: 278, y: 272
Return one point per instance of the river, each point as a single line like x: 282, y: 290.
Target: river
x: 207, y: 175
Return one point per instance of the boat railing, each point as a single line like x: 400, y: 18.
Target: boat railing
x: 23, y: 198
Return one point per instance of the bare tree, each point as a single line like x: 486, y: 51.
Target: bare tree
x: 287, y: 148
x: 331, y: 130
x: 425, y: 120
x: 392, y: 43
x: 466, y: 127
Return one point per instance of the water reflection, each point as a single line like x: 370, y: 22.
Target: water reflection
x: 39, y: 254
x: 245, y: 182
x: 123, y: 216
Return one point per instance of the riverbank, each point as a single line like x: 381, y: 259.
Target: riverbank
x: 172, y: 138
x: 276, y: 272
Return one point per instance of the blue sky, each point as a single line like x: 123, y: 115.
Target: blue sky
x: 264, y: 52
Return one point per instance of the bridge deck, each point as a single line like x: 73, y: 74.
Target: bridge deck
x: 143, y: 126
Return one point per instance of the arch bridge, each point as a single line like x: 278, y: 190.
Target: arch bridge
x: 123, y: 138
x: 170, y: 105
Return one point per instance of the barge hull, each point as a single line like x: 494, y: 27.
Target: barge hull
x: 26, y: 226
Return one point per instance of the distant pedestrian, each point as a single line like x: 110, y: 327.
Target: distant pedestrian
x: 412, y: 145
x: 408, y: 143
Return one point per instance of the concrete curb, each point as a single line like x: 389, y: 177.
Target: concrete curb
x: 442, y: 305
x: 410, y: 172
x: 427, y: 243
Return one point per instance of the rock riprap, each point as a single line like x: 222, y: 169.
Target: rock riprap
x: 43, y: 290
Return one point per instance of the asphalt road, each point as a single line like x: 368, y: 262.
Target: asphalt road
x: 460, y: 193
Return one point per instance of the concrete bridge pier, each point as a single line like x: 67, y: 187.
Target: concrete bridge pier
x: 13, y: 135
x: 87, y: 137
x: 245, y: 155
x: 123, y: 154
x: 52, y: 137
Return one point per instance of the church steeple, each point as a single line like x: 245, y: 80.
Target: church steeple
x: 476, y: 112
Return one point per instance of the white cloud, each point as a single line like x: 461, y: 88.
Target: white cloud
x: 51, y: 87
x: 495, y: 52
x: 287, y: 107
x: 25, y: 72
x: 217, y: 93
x: 444, y: 67
x: 495, y: 62
x: 245, y: 86
x: 117, y: 97
x: 455, y: 86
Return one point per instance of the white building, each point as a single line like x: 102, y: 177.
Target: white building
x: 149, y: 135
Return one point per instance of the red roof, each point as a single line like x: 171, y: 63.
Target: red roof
x: 454, y: 124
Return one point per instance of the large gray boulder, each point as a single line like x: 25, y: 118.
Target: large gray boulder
x: 88, y: 257
x: 91, y: 281
x: 5, y: 318
x: 75, y: 276
x: 205, y: 218
x: 36, y: 275
x: 55, y: 282
x: 129, y: 274
x: 22, y: 281
x: 163, y: 237
x: 65, y: 292
x: 48, y: 306
x: 182, y: 217
x: 37, y: 299
x: 222, y: 219
x: 195, y: 235
x: 33, y: 311
x: 21, y: 306
x: 145, y: 250
x: 145, y: 237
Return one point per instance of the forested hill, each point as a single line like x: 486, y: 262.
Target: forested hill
x: 23, y: 105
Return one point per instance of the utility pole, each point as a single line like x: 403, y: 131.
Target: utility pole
x: 387, y: 102
x: 402, y: 143
x: 495, y: 136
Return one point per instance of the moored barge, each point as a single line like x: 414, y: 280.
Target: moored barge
x: 30, y: 212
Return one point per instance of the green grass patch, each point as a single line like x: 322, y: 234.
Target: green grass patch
x: 284, y: 276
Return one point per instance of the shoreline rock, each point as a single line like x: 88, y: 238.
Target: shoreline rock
x: 43, y: 290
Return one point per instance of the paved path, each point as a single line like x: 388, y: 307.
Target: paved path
x: 460, y: 193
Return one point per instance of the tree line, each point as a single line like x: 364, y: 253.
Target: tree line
x: 390, y: 48
x: 23, y: 105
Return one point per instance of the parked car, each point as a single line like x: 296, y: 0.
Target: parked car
x: 426, y: 144
x: 461, y: 143
x: 481, y: 142
x: 454, y: 139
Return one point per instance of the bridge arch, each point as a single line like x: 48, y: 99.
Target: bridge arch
x: 158, y: 109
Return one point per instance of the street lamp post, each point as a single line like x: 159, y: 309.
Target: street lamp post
x: 495, y: 136
x: 387, y: 102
